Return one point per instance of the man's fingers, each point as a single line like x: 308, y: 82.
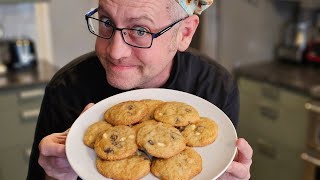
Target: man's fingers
x: 87, y: 107
x: 238, y: 170
x: 245, y: 151
x: 52, y: 149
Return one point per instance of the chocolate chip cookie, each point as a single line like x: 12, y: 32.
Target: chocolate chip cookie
x: 176, y: 114
x: 161, y: 140
x: 126, y: 113
x: 93, y: 131
x: 152, y: 105
x: 116, y: 143
x: 201, y: 133
x: 134, y: 167
x: 182, y: 166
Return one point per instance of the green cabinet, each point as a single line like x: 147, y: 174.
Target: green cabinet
x: 274, y: 122
x: 19, y: 110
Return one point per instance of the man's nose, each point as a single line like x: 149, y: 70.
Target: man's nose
x: 117, y: 47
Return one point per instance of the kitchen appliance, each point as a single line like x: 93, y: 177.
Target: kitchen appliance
x: 312, y: 154
x: 313, y: 50
x: 17, y: 54
x: 296, y: 35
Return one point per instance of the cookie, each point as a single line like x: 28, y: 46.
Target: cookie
x: 161, y: 140
x: 116, y: 143
x: 136, y: 127
x: 152, y: 105
x: 126, y: 113
x: 133, y: 168
x: 93, y: 131
x: 176, y: 114
x: 183, y: 166
x: 201, y: 133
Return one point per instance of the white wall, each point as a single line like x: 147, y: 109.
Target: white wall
x: 248, y: 32
x: 70, y: 35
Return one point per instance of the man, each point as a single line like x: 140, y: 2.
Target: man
x: 140, y: 44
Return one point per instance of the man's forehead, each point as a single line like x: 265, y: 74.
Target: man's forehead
x: 152, y: 9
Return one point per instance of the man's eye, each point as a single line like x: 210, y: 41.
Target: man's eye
x: 106, y: 21
x: 141, y: 31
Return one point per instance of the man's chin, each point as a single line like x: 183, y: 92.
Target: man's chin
x: 121, y: 84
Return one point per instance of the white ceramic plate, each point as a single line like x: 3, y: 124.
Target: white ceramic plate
x: 216, y: 157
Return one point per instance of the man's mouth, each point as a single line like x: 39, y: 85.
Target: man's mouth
x: 121, y: 67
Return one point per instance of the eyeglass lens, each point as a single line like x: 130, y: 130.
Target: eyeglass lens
x: 134, y: 37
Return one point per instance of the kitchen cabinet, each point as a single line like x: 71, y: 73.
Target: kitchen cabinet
x: 19, y: 109
x: 21, y: 94
x: 274, y: 121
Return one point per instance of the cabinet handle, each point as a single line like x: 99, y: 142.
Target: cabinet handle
x: 310, y: 159
x: 34, y: 93
x: 269, y: 112
x: 311, y: 107
x: 27, y: 154
x: 30, y: 114
x: 267, y: 149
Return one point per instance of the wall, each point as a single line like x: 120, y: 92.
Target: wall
x: 18, y: 20
x: 248, y: 32
x: 70, y: 35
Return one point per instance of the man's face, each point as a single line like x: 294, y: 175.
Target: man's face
x: 130, y: 67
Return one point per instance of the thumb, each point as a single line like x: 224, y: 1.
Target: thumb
x: 87, y: 107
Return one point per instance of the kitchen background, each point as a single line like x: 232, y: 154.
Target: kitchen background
x: 270, y: 46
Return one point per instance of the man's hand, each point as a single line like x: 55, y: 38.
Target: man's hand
x: 240, y: 167
x: 53, y: 157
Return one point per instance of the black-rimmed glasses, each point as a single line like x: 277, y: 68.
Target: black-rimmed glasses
x: 138, y: 37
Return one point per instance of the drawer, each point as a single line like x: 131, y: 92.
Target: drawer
x: 273, y: 160
x: 259, y: 90
x: 14, y: 162
x: 267, y: 93
x: 18, y: 126
x: 286, y: 124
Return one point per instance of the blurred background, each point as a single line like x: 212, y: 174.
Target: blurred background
x: 271, y: 47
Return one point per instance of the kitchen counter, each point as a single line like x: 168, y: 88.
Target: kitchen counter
x: 298, y: 77
x: 40, y: 74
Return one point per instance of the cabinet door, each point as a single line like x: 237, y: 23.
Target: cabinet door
x: 14, y: 162
x: 274, y: 112
x: 19, y: 109
x: 273, y: 160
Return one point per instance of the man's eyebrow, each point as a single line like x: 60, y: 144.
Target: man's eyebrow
x: 143, y: 17
x: 101, y: 9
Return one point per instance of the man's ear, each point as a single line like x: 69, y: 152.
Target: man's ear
x: 186, y: 31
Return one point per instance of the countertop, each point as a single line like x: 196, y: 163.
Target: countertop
x: 304, y: 78
x: 40, y: 74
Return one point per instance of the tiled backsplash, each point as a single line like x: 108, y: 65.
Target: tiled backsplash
x: 18, y: 20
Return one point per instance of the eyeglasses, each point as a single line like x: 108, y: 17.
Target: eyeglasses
x: 136, y: 37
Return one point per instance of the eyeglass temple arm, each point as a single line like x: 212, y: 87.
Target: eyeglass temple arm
x: 90, y: 13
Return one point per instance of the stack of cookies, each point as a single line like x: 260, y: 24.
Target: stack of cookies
x: 136, y: 137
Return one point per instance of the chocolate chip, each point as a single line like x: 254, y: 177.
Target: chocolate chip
x: 130, y: 107
x: 181, y: 128
x: 151, y: 142
x: 177, y: 120
x: 108, y: 150
x: 113, y: 137
x: 188, y: 110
